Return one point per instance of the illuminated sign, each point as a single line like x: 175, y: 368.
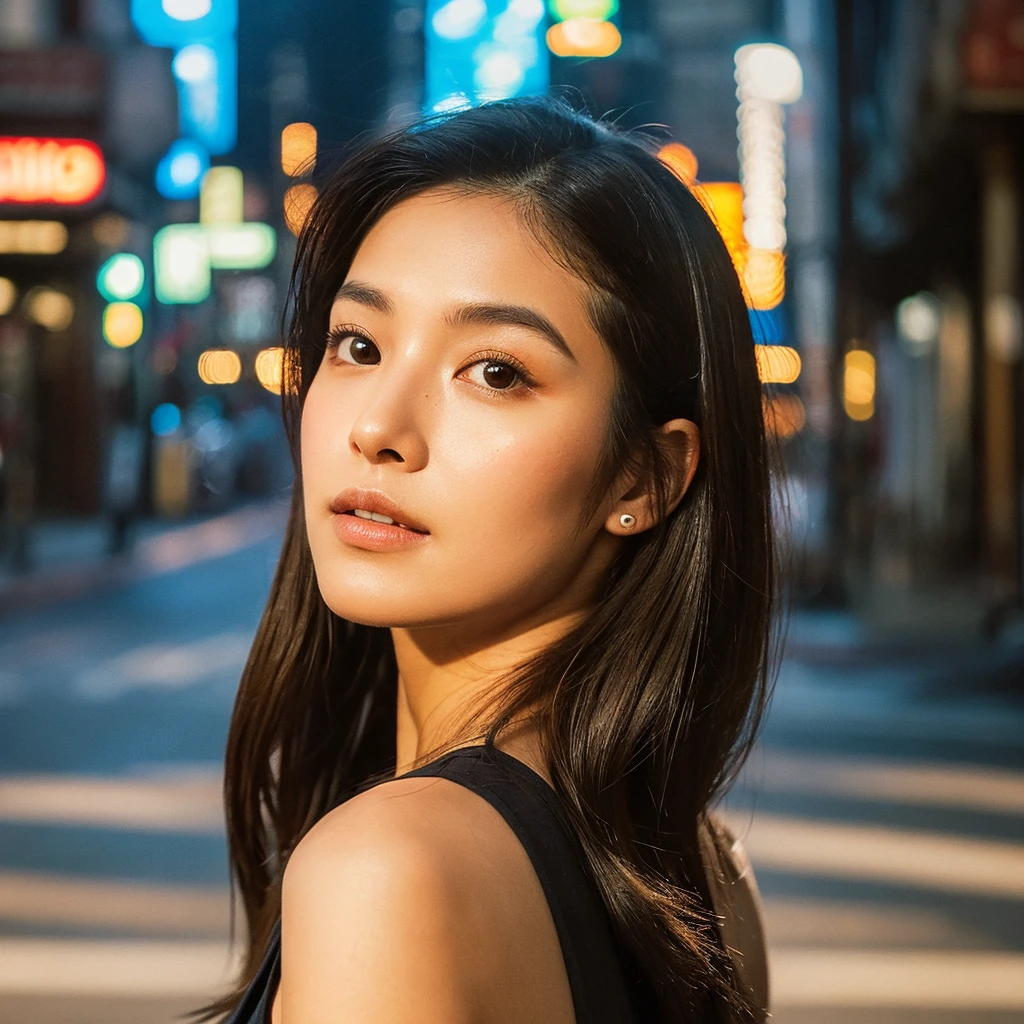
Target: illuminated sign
x: 181, y: 263
x: 65, y: 171
x: 241, y: 246
x: 221, y: 196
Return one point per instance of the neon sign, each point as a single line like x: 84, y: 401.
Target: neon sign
x: 62, y: 171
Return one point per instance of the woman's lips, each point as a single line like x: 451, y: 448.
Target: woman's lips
x: 359, y: 518
x: 355, y: 500
x: 374, y: 536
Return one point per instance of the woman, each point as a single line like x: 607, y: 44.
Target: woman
x: 518, y: 638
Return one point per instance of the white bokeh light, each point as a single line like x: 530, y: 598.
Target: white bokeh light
x: 195, y: 63
x: 459, y: 19
x: 186, y: 10
x: 771, y: 72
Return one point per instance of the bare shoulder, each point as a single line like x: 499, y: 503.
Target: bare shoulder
x: 399, y: 905
x: 424, y: 830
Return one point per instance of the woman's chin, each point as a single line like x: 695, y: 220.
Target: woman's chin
x: 365, y: 610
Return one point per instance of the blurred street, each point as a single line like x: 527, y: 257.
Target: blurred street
x: 884, y: 811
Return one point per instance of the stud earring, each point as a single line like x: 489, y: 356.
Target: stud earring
x: 627, y: 521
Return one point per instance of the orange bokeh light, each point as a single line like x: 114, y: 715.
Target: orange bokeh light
x: 784, y: 415
x: 583, y: 37
x: 777, y: 364
x: 680, y: 160
x: 764, y: 278
x: 298, y: 201
x: 64, y: 171
x: 724, y: 202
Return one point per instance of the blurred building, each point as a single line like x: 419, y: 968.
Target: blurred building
x: 928, y: 480
x: 86, y: 110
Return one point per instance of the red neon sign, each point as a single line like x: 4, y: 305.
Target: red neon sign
x: 64, y: 171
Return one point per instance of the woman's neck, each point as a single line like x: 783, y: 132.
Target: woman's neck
x: 441, y: 680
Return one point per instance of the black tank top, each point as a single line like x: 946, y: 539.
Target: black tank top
x: 607, y: 986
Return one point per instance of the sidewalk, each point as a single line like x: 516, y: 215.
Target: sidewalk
x: 70, y: 557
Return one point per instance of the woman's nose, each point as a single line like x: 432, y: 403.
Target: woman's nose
x: 391, y: 429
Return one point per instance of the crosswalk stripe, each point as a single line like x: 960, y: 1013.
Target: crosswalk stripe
x: 872, y: 853
x: 94, y: 967
x: 885, y: 979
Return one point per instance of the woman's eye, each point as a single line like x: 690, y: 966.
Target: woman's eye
x: 495, y: 375
x: 354, y: 348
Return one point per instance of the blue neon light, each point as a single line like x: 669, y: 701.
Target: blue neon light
x: 165, y: 419
x: 206, y: 74
x: 768, y: 325
x: 181, y: 170
x: 479, y: 50
x: 177, y: 23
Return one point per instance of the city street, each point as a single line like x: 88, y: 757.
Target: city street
x: 884, y: 810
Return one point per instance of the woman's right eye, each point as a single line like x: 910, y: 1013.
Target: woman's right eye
x: 350, y: 347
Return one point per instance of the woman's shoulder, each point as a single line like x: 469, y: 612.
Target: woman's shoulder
x: 420, y: 874
x: 428, y: 825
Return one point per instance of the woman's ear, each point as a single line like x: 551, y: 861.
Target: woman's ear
x: 679, y: 441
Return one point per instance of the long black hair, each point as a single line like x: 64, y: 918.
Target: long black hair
x: 652, y: 701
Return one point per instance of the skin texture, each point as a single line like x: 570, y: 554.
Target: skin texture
x: 389, y: 912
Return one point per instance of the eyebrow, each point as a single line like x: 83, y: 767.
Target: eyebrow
x: 492, y: 314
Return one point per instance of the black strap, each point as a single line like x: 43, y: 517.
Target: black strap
x: 604, y: 988
x: 255, y: 1005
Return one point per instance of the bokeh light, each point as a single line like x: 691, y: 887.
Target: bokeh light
x: 165, y: 419
x: 241, y: 246
x: 859, y: 384
x: 33, y: 237
x: 680, y: 160
x: 44, y: 170
x: 769, y: 72
x: 49, y: 308
x: 181, y: 169
x: 918, y: 318
x: 764, y: 278
x: 784, y: 415
x: 777, y: 364
x: 8, y: 295
x: 186, y: 10
x: 724, y: 202
x: 582, y: 37
x: 298, y: 148
x: 111, y: 230
x: 122, y: 324
x: 219, y: 366
x: 459, y: 19
x: 298, y: 201
x: 122, y: 277
x: 596, y: 10
x: 221, y: 196
x: 181, y: 264
x: 269, y: 368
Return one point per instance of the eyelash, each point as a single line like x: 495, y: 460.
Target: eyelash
x: 337, y: 334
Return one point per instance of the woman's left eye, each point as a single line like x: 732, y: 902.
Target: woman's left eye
x: 496, y: 375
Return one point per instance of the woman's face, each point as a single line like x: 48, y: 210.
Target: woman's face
x: 465, y: 395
